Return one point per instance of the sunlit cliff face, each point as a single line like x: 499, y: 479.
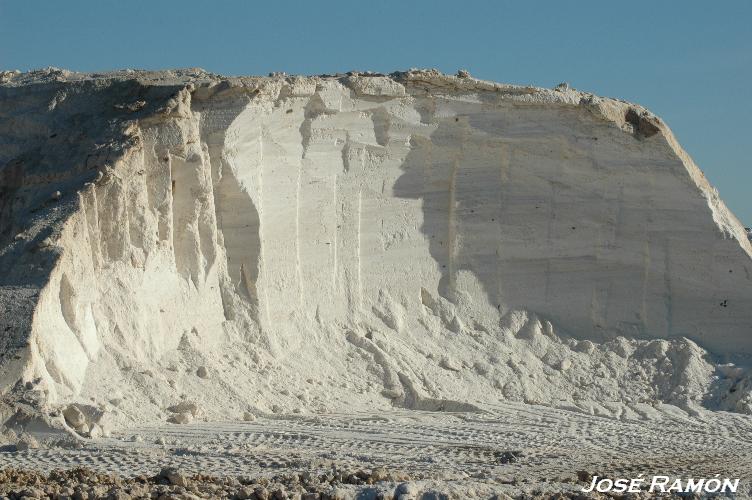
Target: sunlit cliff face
x: 386, y: 233
x: 492, y: 204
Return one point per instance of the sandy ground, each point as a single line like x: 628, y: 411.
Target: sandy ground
x: 514, y: 449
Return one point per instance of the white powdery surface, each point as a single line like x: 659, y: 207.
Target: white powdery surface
x: 515, y: 449
x: 182, y: 246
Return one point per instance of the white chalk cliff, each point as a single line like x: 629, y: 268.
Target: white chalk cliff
x: 323, y: 243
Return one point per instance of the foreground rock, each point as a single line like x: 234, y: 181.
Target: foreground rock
x: 170, y: 483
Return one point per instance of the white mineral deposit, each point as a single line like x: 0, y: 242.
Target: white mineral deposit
x: 391, y: 286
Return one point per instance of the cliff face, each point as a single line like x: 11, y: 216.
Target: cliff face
x: 319, y: 242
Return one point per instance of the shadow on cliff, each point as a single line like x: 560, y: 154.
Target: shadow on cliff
x: 459, y: 187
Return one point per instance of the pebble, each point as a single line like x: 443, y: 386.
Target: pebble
x: 406, y: 490
x: 448, y: 363
x: 174, y: 476
x: 185, y: 407
x: 74, y: 417
x: 181, y: 418
x: 27, y: 442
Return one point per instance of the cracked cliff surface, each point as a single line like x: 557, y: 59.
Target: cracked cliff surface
x: 312, y: 244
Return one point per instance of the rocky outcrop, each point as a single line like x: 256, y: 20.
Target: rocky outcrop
x: 415, y: 239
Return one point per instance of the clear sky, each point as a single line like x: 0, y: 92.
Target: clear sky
x: 689, y: 61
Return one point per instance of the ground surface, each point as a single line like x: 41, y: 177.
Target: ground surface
x: 515, y: 449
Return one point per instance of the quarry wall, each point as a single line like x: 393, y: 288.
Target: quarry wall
x: 416, y: 239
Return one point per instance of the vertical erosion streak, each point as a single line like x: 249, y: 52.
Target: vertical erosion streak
x: 67, y: 298
x: 668, y: 294
x: 261, y: 218
x: 452, y: 227
x: 158, y: 192
x: 336, y: 232
x: 186, y: 193
x: 207, y: 223
x: 349, y: 209
x: 359, y: 288
x: 550, y: 244
x: 298, y: 274
x: 91, y: 216
x: 503, y: 180
x: 137, y: 211
x: 238, y: 220
x: 114, y: 226
x: 646, y: 263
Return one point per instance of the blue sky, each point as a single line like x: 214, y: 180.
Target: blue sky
x: 688, y: 61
